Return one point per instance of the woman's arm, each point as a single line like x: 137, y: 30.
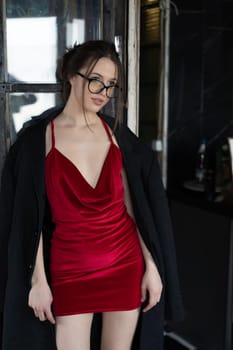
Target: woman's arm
x: 151, y: 282
x: 40, y: 296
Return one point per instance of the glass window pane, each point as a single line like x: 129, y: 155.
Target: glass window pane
x: 38, y: 32
x: 23, y: 106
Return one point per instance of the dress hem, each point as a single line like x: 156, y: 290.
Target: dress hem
x: 97, y: 311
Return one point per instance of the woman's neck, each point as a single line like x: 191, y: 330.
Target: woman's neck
x: 73, y: 115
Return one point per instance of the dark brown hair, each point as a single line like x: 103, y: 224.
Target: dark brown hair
x: 87, y: 55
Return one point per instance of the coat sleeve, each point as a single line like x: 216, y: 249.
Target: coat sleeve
x: 6, y: 208
x: 160, y: 211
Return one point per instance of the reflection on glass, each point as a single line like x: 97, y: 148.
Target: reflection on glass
x: 38, y: 32
x: 24, y: 106
x: 31, y: 48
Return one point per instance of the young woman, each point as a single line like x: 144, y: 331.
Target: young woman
x: 103, y: 242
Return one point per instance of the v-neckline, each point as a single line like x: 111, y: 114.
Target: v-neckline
x: 78, y: 170
x: 74, y: 165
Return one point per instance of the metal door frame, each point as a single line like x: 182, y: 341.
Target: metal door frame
x: 110, y: 25
x: 133, y: 76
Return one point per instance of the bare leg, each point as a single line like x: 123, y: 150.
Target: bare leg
x: 118, y: 329
x: 73, y: 332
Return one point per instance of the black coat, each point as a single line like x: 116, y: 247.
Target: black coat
x: 23, y: 215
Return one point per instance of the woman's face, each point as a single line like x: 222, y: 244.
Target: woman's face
x: 104, y: 71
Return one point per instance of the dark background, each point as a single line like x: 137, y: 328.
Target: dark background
x: 201, y: 106
x: 201, y: 83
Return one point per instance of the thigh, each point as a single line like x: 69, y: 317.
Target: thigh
x: 73, y: 332
x: 118, y: 329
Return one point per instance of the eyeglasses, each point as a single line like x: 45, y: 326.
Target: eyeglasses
x: 95, y: 86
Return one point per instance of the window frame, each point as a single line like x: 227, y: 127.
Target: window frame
x: 109, y: 30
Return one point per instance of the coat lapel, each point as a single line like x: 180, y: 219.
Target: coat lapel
x: 38, y: 154
x: 37, y: 164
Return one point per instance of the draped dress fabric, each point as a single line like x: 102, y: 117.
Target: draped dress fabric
x: 96, y: 261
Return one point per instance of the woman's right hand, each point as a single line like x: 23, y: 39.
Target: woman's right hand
x: 40, y: 300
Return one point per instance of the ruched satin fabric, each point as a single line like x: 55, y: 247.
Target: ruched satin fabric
x: 96, y: 261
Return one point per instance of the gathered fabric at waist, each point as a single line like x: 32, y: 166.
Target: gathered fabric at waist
x: 93, y: 246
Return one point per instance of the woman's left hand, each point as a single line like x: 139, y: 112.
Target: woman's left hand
x: 151, y: 283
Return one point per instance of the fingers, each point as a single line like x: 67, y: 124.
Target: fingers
x: 44, y: 315
x: 154, y: 295
x: 151, y: 286
x: 40, y: 300
x: 41, y: 316
x: 143, y: 293
x: 154, y: 299
x: 50, y: 317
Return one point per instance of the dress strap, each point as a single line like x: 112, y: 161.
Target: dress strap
x: 107, y: 129
x: 52, y: 132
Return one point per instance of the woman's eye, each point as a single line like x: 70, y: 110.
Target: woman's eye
x: 95, y: 79
x: 112, y: 83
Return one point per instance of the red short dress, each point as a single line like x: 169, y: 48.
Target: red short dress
x: 96, y: 261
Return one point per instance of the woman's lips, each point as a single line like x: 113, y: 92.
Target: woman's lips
x: 98, y: 101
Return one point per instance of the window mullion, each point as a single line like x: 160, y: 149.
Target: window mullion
x: 4, y: 115
x: 28, y: 87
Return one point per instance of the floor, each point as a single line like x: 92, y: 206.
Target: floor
x: 172, y: 344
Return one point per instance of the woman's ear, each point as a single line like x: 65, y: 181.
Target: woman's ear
x: 72, y: 79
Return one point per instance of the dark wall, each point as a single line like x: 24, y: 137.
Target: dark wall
x: 201, y: 83
x: 203, y: 254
